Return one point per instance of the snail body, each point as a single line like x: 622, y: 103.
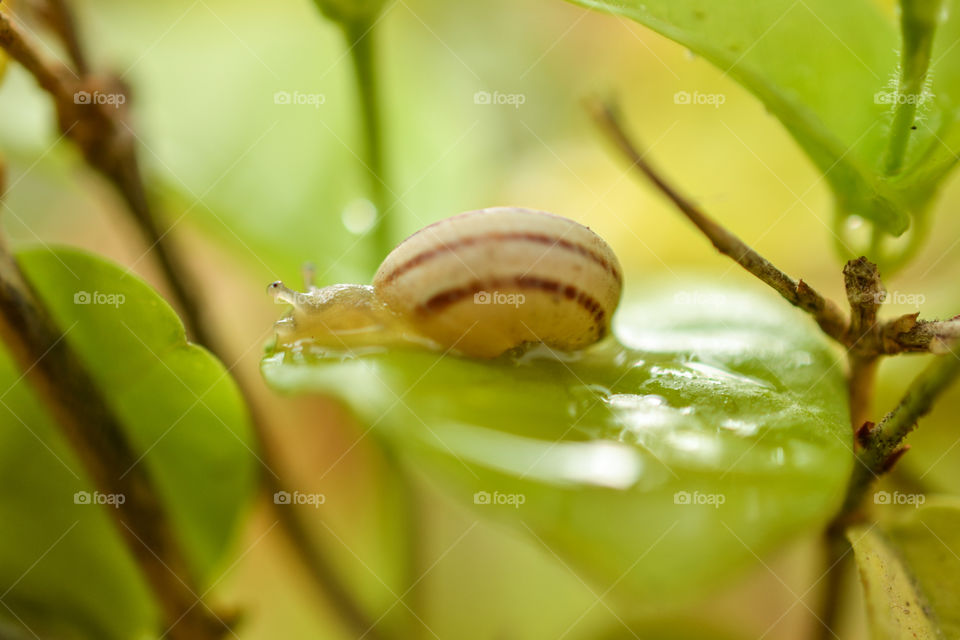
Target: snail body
x: 479, y: 283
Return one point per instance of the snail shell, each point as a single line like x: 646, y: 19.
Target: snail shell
x: 486, y: 281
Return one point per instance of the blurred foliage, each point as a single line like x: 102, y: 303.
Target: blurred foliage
x: 67, y: 570
x: 270, y: 185
x: 910, y: 571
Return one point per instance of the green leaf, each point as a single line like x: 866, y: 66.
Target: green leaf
x: 724, y: 400
x: 841, y: 98
x: 824, y: 96
x: 910, y: 571
x: 936, y: 141
x: 182, y: 412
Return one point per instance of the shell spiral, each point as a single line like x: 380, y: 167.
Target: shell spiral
x: 486, y: 281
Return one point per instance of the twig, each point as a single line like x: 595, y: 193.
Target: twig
x: 98, y: 437
x: 836, y: 551
x: 908, y: 334
x: 826, y: 312
x: 108, y: 146
x: 303, y: 543
x: 865, y: 294
x: 61, y: 19
x: 882, y: 445
x: 863, y: 333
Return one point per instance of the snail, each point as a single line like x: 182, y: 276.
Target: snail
x: 479, y: 283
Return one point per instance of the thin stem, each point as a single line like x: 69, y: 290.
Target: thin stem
x: 412, y: 544
x: 315, y: 559
x: 861, y: 386
x: 361, y: 40
x: 826, y: 312
x: 126, y: 177
x: 912, y: 335
x: 865, y: 294
x: 923, y: 392
x: 882, y: 445
x: 836, y: 559
x: 60, y: 17
x: 48, y: 75
x: 918, y: 23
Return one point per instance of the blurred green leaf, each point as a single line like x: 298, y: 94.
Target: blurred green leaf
x: 910, y: 571
x: 718, y: 432
x: 936, y: 141
x: 838, y: 97
x: 63, y: 567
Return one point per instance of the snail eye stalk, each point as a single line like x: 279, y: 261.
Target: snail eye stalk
x: 281, y: 292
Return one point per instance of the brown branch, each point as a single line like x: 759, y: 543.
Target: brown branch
x: 108, y: 145
x: 907, y: 334
x: 59, y: 16
x: 865, y: 294
x: 316, y: 561
x: 826, y: 312
x: 100, y: 131
x: 882, y: 445
x: 98, y: 437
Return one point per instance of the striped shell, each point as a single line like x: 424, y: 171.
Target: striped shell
x: 485, y: 281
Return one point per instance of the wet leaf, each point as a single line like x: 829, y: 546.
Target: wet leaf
x: 716, y: 431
